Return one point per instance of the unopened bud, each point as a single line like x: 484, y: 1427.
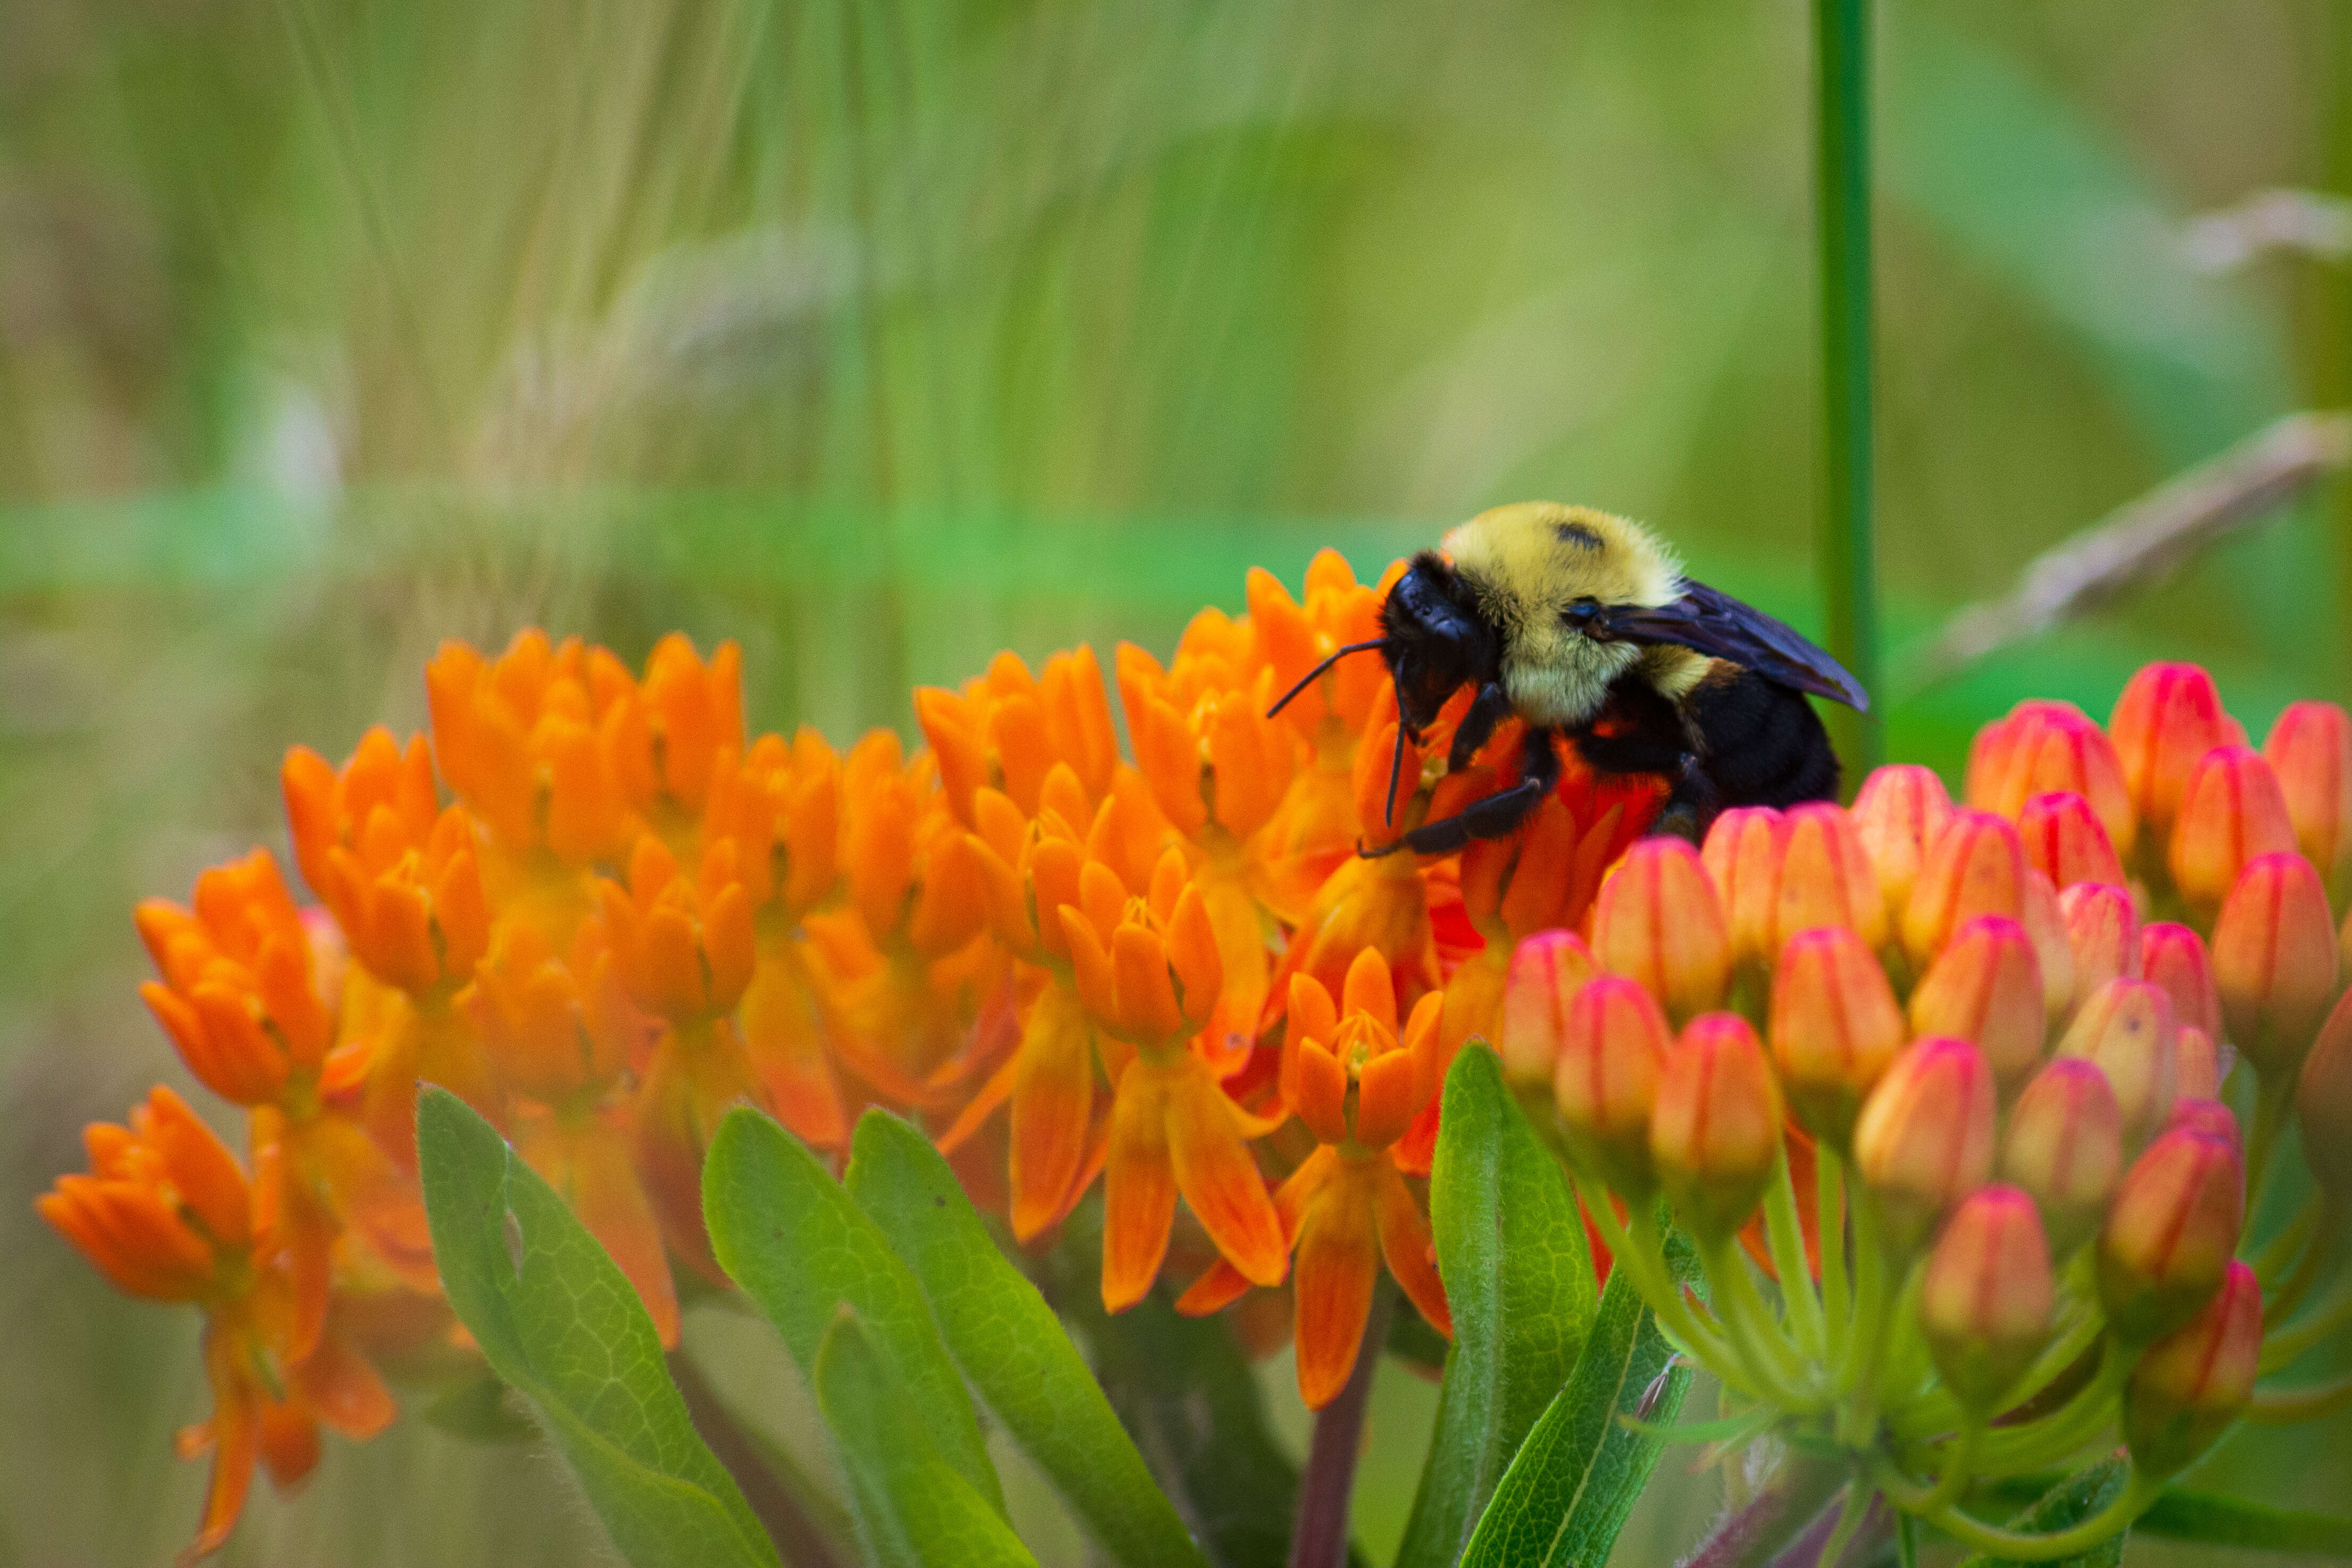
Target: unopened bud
x: 2274, y: 961
x: 1898, y: 812
x: 1985, y: 1300
x: 1716, y: 1130
x: 1978, y: 866
x: 1986, y: 988
x: 2043, y: 747
x: 2189, y: 1386
x: 2169, y: 1234
x: 2232, y: 813
x: 2126, y: 1027
x: 2064, y: 1145
x: 2167, y: 717
x: 2066, y: 842
x: 1745, y: 847
x: 1657, y: 920
x: 2210, y: 1117
x: 1826, y: 877
x: 1925, y: 1137
x: 2175, y: 957
x: 2310, y: 750
x: 1612, y: 1051
x: 2102, y: 933
x: 1546, y: 970
x: 1835, y: 1027
x: 2323, y: 1104
x: 2199, y: 1075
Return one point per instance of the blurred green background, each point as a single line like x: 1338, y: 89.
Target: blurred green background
x: 880, y: 334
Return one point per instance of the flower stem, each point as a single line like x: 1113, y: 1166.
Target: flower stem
x: 2281, y: 1346
x: 1786, y: 1235
x: 2286, y: 1407
x: 1829, y: 1199
x: 1758, y: 1529
x: 1319, y: 1539
x: 2007, y: 1544
x: 1636, y: 1244
x: 2273, y: 1097
x: 1755, y: 1337
x: 797, y: 1536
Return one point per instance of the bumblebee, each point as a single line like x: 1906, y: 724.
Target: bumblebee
x: 1583, y: 626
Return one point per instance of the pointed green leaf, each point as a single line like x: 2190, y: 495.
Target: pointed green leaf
x: 1011, y: 1347
x: 561, y: 1323
x: 2071, y: 1502
x: 1567, y: 1494
x: 921, y: 1511
x: 783, y: 1229
x: 1518, y: 1278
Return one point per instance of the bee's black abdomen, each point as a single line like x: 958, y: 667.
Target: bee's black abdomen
x: 1760, y: 743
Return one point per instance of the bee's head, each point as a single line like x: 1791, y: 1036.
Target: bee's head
x: 1435, y: 640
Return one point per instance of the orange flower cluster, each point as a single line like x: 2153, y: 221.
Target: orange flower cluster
x: 594, y: 906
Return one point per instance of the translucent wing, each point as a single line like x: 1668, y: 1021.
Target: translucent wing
x: 1718, y: 625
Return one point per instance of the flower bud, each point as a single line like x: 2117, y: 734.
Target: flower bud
x: 1985, y: 1300
x: 1546, y: 970
x: 1612, y: 1050
x: 1986, y: 988
x: 2323, y: 1104
x: 2310, y: 750
x: 1826, y: 877
x: 2169, y: 1234
x: 2103, y: 934
x: 2191, y: 1384
x: 1716, y: 1132
x: 1925, y: 1138
x: 2210, y: 1117
x: 1835, y: 1027
x: 2274, y: 961
x: 1976, y: 866
x: 2230, y: 813
x: 2043, y: 747
x: 2174, y: 956
x: 2064, y: 1145
x: 1744, y: 849
x: 2125, y: 1029
x: 2167, y: 717
x: 2066, y: 842
x: 2199, y: 1075
x: 1657, y: 920
x: 1898, y: 812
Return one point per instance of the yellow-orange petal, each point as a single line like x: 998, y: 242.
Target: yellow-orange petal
x: 1146, y: 994
x: 1139, y: 1188
x: 1405, y: 1243
x: 1218, y: 1178
x: 1338, y: 1263
x: 1385, y: 1098
x: 1317, y: 1089
x: 1053, y: 1104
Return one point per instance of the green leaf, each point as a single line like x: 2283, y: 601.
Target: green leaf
x: 783, y: 1229
x: 478, y: 1410
x: 2071, y: 1502
x: 1518, y: 1277
x: 1567, y: 1495
x: 561, y: 1324
x: 1011, y: 1347
x: 920, y: 1510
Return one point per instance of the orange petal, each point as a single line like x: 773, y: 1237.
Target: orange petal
x: 1147, y: 996
x: 1213, y: 1292
x: 1405, y: 1243
x: 1192, y: 952
x: 1219, y: 1179
x: 1317, y: 1089
x: 1090, y: 965
x: 1338, y: 1261
x: 1386, y: 1101
x: 1138, y: 1190
x: 1369, y: 989
x: 1053, y: 1102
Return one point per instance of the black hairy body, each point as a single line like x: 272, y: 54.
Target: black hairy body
x: 1735, y: 739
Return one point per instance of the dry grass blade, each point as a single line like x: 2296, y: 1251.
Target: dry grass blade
x: 2141, y: 542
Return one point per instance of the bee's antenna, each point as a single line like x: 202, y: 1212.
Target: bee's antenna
x: 1396, y: 771
x: 1308, y: 678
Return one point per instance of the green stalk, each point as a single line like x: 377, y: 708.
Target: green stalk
x: 1841, y: 209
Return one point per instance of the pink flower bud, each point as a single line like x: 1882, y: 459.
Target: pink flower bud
x: 1826, y: 877
x: 1898, y: 813
x: 1835, y: 1027
x: 2126, y: 1027
x: 1985, y: 1300
x: 1546, y: 970
x: 1978, y: 866
x: 1612, y: 1052
x: 2310, y: 749
x: 1657, y: 920
x: 2064, y: 1145
x: 2191, y: 1384
x: 2274, y: 961
x: 2323, y: 1104
x: 2200, y: 1064
x: 1925, y: 1137
x: 1986, y: 986
x: 2232, y: 813
x: 2103, y: 934
x: 2175, y: 957
x: 2167, y: 717
x: 2170, y: 1233
x: 2043, y: 747
x: 2210, y: 1117
x: 2066, y: 843
x: 1744, y: 850
x: 1715, y: 1133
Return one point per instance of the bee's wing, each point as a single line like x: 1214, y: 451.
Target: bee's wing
x: 1713, y: 622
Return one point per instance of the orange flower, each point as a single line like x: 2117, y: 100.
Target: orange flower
x: 2231, y: 812
x: 2066, y: 842
x: 2168, y: 716
x: 526, y: 742
x: 1147, y: 971
x: 671, y: 730
x: 166, y: 1213
x: 1658, y: 921
x: 2310, y: 749
x: 1976, y: 866
x: 1006, y: 729
x: 1358, y: 1084
x: 1898, y: 813
x: 2044, y: 747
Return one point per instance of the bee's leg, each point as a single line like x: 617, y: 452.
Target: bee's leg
x: 1487, y: 711
x: 1691, y: 804
x: 1496, y: 815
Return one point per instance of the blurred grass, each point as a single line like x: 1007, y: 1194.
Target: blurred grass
x: 881, y: 335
